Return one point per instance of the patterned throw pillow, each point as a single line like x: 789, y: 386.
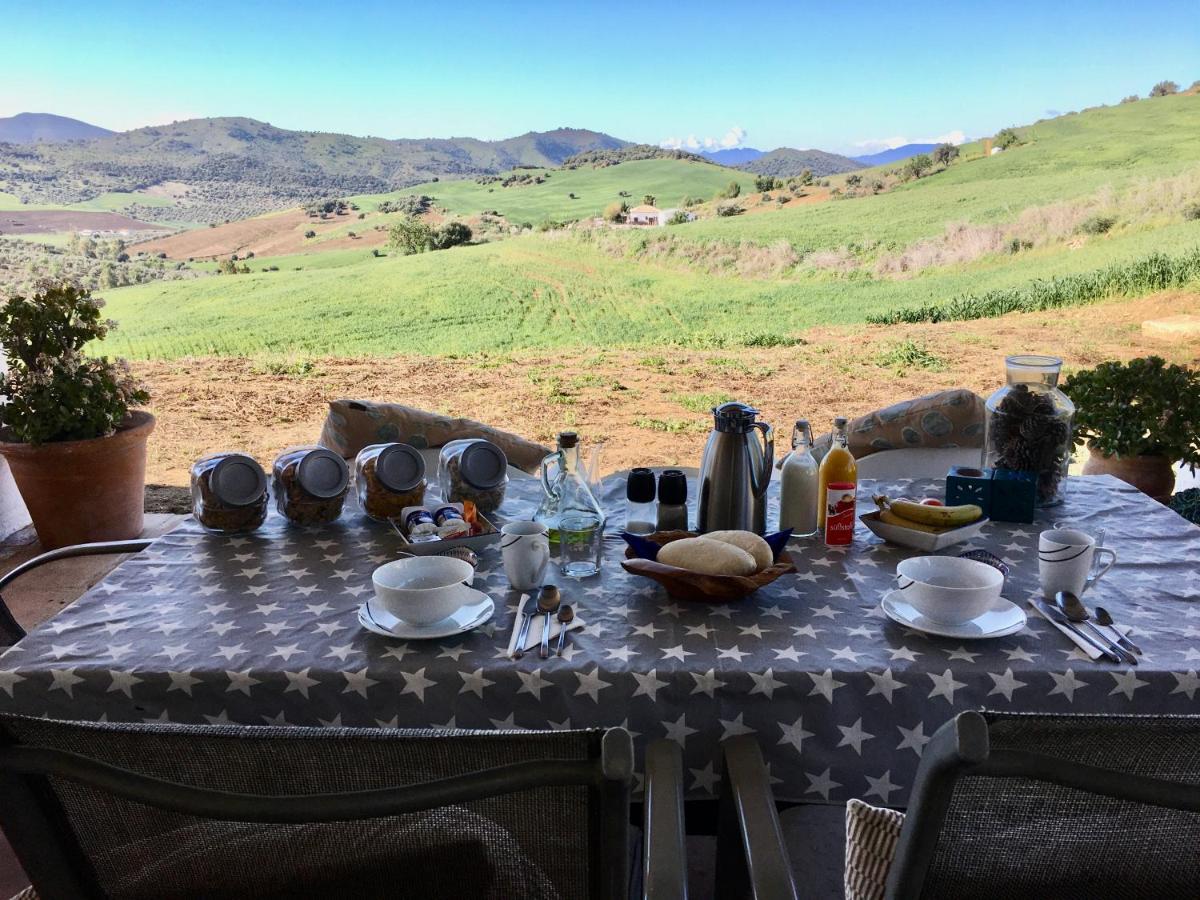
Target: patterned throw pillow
x: 951, y: 418
x: 871, y: 835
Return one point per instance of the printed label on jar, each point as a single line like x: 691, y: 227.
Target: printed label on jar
x: 839, y: 512
x: 443, y: 515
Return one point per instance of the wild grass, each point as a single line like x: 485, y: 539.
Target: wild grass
x: 1141, y: 276
x: 701, y: 403
x: 910, y: 355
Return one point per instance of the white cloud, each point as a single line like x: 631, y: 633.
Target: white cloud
x: 875, y: 145
x: 734, y: 137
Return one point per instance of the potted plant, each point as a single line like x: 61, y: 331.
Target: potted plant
x: 77, y: 452
x: 1138, y: 418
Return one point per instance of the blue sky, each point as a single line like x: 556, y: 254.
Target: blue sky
x: 762, y: 74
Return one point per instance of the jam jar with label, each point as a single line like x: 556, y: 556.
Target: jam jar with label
x: 389, y: 478
x: 310, y: 485
x: 229, y: 493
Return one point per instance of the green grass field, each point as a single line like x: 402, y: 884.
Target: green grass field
x: 561, y: 290
x: 669, y: 180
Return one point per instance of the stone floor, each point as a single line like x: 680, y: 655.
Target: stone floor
x: 37, y: 596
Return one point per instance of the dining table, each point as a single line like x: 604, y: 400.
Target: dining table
x: 263, y: 629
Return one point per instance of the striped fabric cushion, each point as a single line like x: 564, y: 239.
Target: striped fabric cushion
x: 871, y: 835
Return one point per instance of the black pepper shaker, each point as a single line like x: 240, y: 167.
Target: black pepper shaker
x: 639, y: 502
x: 672, y: 501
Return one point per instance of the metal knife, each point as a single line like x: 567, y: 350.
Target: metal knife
x: 528, y: 611
x: 1057, y: 615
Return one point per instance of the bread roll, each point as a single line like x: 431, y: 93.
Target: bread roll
x: 707, y: 557
x: 759, y: 549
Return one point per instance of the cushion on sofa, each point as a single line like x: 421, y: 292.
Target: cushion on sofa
x: 871, y: 836
x: 951, y: 418
x: 353, y: 424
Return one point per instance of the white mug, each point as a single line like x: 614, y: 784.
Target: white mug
x: 525, y: 549
x: 1065, y: 557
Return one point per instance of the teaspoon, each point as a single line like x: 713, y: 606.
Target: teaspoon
x: 1103, y: 618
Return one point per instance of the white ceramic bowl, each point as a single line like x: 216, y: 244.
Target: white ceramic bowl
x: 948, y: 589
x: 422, y: 590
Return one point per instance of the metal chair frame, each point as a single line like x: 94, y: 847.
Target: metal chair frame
x: 11, y: 630
x: 752, y: 858
x: 38, y: 828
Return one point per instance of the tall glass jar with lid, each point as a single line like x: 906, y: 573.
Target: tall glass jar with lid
x: 1029, y: 423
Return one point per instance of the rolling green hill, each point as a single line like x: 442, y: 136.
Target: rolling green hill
x: 738, y: 280
x: 669, y: 180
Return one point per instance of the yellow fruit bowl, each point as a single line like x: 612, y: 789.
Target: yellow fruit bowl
x: 917, y: 539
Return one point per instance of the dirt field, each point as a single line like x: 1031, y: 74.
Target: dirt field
x: 635, y: 402
x: 46, y: 222
x: 272, y: 235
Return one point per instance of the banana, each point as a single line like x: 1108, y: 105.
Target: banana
x: 942, y: 517
x: 886, y: 515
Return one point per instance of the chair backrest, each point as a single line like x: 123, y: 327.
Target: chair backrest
x: 160, y: 810
x: 1059, y: 806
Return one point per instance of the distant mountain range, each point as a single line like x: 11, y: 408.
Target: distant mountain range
x: 734, y: 156
x: 222, y: 167
x: 32, y: 128
x: 895, y: 154
x: 786, y: 162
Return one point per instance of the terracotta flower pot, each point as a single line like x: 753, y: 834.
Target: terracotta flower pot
x: 80, y: 491
x: 1151, y: 475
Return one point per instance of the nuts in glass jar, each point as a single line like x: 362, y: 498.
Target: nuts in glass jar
x: 229, y: 493
x: 473, y: 469
x: 389, y: 477
x: 310, y: 485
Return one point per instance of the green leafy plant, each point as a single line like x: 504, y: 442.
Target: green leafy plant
x: 1141, y: 408
x: 1187, y: 504
x: 909, y: 355
x: 54, y: 391
x: 1097, y: 224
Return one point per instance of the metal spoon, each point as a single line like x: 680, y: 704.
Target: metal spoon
x: 1057, y: 615
x: 548, y: 603
x: 566, y: 616
x: 1103, y: 618
x: 1074, y: 610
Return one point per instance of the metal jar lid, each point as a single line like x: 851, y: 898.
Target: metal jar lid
x: 399, y: 467
x: 238, y: 480
x: 322, y: 473
x: 483, y: 465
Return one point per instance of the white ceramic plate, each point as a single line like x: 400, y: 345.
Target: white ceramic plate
x: 380, y: 621
x: 1002, y: 619
x: 920, y: 540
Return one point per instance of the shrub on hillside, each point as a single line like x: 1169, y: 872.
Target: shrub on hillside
x: 649, y: 199
x: 943, y: 154
x: 679, y: 217
x: 452, y: 234
x: 310, y: 234
x: 615, y: 212
x: 1097, y: 224
x: 1132, y: 98
x: 764, y: 183
x: 917, y: 166
x: 412, y: 205
x: 733, y: 189
x: 410, y: 236
x: 1191, y: 212
x: 729, y: 209
x: 1005, y: 138
x: 853, y: 180
x: 1164, y: 89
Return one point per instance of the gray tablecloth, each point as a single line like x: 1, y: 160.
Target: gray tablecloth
x: 263, y: 629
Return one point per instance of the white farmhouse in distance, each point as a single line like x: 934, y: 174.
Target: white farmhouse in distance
x: 645, y: 214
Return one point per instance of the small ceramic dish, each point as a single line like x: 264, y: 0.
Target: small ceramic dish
x: 949, y: 589
x: 683, y: 584
x: 920, y: 540
x: 421, y: 590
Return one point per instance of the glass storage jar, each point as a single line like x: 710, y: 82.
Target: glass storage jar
x: 229, y: 493
x: 310, y: 485
x: 1029, y: 423
x: 389, y: 477
x: 473, y: 469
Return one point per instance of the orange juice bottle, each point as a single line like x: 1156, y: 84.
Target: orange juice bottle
x: 837, y: 466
